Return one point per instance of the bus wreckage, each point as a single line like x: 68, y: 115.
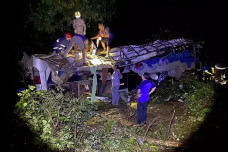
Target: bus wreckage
x: 160, y: 58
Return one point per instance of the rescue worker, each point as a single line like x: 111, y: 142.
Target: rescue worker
x: 217, y: 74
x: 79, y: 24
x: 78, y: 42
x: 208, y: 73
x: 61, y: 43
x: 116, y: 76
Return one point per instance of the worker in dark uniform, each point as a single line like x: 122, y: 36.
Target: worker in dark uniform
x: 78, y: 42
x: 207, y: 73
x: 61, y: 43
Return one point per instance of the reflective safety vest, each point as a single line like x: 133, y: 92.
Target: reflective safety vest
x: 209, y: 71
x: 60, y: 44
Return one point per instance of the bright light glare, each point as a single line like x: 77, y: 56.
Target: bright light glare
x: 96, y: 61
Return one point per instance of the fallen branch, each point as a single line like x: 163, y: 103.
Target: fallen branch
x: 102, y: 116
x: 81, y: 135
x: 149, y: 126
x: 58, y: 118
x: 133, y: 113
x: 156, y: 141
x: 109, y: 113
x: 162, y: 142
x: 139, y: 146
x: 170, y: 123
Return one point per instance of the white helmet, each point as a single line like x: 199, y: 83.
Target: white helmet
x: 77, y: 14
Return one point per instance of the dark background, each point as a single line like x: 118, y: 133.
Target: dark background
x: 138, y: 22
x: 199, y: 20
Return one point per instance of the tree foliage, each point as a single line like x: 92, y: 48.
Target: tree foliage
x: 52, y: 16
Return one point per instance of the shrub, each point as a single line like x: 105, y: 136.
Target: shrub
x: 53, y: 115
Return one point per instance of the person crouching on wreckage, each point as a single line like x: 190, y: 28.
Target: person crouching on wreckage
x: 90, y: 49
x: 61, y: 43
x: 78, y: 42
x: 103, y: 36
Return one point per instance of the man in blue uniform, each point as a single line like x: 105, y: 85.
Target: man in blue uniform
x: 146, y: 88
x: 116, y: 76
x: 61, y: 43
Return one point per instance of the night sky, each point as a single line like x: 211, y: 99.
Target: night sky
x: 199, y: 20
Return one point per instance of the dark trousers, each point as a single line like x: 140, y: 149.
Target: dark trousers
x: 141, y: 112
x: 115, y: 95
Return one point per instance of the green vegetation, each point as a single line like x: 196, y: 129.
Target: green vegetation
x: 54, y: 116
x: 196, y: 98
x: 66, y: 123
x: 199, y: 103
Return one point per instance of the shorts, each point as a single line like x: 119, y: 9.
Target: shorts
x: 105, y: 40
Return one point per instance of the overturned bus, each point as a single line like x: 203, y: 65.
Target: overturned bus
x: 160, y: 58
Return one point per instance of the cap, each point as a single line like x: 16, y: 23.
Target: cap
x: 68, y: 35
